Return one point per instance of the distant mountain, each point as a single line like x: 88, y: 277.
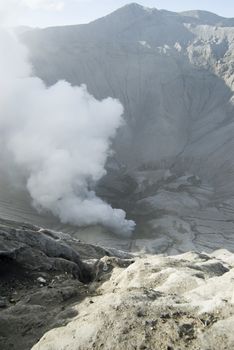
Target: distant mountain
x: 154, y: 62
x: 205, y: 17
x: 174, y: 74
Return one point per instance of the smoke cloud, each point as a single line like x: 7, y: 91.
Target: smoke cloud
x: 60, y: 138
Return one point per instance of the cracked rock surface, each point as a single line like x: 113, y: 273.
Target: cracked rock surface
x: 156, y: 303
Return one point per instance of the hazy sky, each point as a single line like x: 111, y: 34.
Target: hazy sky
x: 60, y: 12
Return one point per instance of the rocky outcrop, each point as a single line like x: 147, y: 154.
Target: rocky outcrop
x: 142, y: 302
x: 157, y: 303
x: 42, y: 274
x: 40, y: 250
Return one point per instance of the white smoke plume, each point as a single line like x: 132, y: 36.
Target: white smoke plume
x: 60, y: 137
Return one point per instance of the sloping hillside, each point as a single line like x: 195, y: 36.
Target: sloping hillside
x: 174, y: 75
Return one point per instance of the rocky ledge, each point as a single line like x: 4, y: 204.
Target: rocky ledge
x: 157, y: 303
x: 88, y: 297
x: 42, y: 275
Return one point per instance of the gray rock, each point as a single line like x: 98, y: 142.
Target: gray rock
x: 3, y: 302
x: 41, y: 276
x: 36, y: 251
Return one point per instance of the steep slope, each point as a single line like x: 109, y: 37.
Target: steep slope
x: 174, y: 75
x: 146, y: 59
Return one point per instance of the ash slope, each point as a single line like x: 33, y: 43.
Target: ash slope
x: 174, y: 75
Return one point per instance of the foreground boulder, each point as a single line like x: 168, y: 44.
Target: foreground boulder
x: 37, y: 250
x: 157, y: 303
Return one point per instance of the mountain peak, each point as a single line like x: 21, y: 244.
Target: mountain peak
x: 133, y: 5
x: 135, y: 8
